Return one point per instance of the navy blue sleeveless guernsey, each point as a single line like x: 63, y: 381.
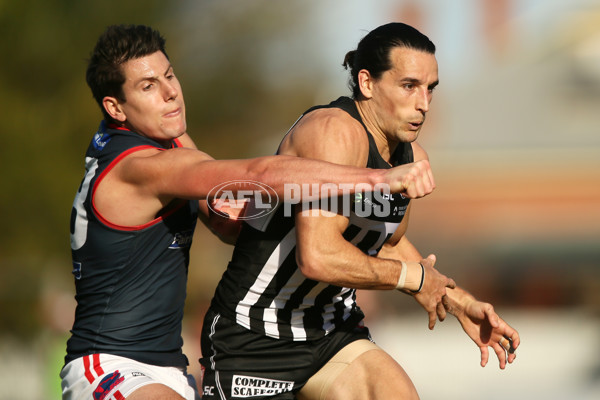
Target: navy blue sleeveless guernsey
x: 263, y: 289
x: 130, y: 280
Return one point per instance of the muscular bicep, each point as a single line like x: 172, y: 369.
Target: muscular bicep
x: 180, y: 172
x: 318, y: 237
x: 322, y: 252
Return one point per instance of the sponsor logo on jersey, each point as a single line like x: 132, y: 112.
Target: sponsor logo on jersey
x: 243, y: 200
x: 107, y: 384
x: 252, y: 386
x: 76, y: 270
x: 208, y: 391
x: 100, y: 140
x: 182, y: 240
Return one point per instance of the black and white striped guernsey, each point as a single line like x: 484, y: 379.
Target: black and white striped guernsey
x: 263, y: 289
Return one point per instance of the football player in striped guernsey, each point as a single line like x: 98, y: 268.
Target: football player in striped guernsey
x: 284, y: 322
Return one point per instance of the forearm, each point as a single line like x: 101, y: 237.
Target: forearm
x: 281, y: 170
x: 403, y: 250
x: 360, y: 273
x: 458, y: 300
x: 281, y: 173
x: 340, y: 263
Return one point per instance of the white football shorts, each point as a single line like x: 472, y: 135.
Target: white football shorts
x: 109, y: 377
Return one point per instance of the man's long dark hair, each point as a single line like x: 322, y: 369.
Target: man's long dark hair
x: 373, y: 51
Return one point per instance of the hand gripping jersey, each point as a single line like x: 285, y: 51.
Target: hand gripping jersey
x: 264, y: 290
x: 130, y: 281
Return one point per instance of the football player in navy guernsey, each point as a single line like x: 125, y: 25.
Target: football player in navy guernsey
x: 134, y: 216
x: 284, y: 322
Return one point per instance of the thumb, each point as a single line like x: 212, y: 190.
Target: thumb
x: 492, y: 316
x: 432, y: 257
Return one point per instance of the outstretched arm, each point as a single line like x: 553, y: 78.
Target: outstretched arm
x: 413, y: 180
x: 145, y: 181
x: 187, y: 173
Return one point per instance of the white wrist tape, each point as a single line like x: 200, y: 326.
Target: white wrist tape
x: 402, y: 279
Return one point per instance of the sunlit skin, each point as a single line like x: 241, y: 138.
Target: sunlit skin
x: 397, y: 103
x: 154, y: 105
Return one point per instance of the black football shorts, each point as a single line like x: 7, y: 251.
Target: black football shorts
x: 239, y: 363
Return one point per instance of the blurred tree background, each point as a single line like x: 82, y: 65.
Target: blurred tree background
x: 49, y: 115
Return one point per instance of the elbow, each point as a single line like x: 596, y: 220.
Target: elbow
x: 264, y: 170
x: 273, y: 171
x: 310, y: 263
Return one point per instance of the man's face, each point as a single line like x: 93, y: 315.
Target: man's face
x: 154, y: 105
x: 402, y: 95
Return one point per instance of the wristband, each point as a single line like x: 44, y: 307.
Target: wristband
x: 402, y: 279
x: 422, y: 279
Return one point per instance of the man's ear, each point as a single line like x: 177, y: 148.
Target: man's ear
x: 114, y: 109
x: 365, y: 83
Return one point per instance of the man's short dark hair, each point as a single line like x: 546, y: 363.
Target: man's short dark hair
x: 373, y: 51
x: 117, y: 45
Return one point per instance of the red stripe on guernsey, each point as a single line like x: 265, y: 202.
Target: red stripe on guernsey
x: 177, y: 142
x: 97, y: 368
x: 86, y: 366
x: 119, y: 396
x: 106, y: 171
x: 117, y: 127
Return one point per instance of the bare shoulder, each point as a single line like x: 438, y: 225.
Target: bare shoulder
x: 419, y: 152
x: 143, y: 182
x: 328, y: 134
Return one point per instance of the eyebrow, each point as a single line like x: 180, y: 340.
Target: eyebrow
x: 153, y: 77
x: 416, y: 81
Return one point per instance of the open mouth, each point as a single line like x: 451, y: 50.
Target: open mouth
x: 415, y: 125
